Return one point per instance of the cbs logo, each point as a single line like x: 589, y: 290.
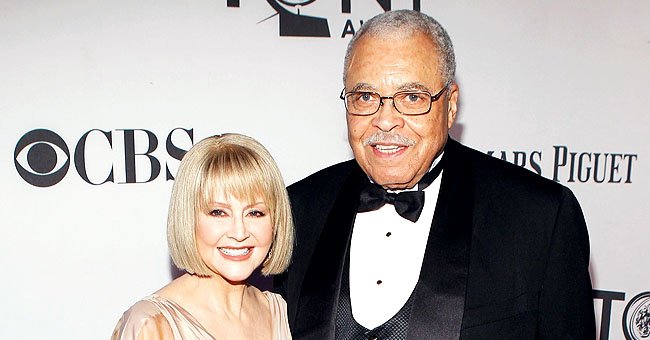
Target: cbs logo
x: 42, y: 158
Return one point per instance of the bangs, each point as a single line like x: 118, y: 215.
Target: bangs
x: 236, y: 173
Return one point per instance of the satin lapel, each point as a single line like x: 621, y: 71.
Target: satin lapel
x: 316, y: 314
x: 440, y: 294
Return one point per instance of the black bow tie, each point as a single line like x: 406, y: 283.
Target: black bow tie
x: 408, y: 204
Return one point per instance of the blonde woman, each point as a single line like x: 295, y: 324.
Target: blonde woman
x: 229, y: 213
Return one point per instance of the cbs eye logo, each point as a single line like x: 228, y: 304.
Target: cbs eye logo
x: 42, y: 158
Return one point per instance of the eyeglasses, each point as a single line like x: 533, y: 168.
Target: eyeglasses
x: 411, y: 103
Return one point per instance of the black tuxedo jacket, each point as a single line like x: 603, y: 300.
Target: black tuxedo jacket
x: 507, y: 255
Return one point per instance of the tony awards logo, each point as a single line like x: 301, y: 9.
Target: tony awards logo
x: 636, y: 318
x: 306, y: 18
x: 295, y: 24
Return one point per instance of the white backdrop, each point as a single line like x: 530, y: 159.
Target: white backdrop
x: 546, y: 82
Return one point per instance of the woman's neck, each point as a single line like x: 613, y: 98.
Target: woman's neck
x: 211, y: 292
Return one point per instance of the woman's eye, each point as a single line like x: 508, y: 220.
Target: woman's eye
x: 256, y: 213
x: 218, y: 213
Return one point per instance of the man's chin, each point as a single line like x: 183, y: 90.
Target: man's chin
x: 394, y: 183
x: 398, y: 186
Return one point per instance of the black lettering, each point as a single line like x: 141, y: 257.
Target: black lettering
x: 519, y: 156
x: 80, y: 157
x: 232, y: 3
x: 416, y: 5
x: 606, y: 313
x: 346, y: 6
x: 630, y: 157
x: 385, y: 4
x: 129, y: 155
x: 534, y: 164
x: 560, y: 160
x: 572, y: 166
x: 174, y: 151
x: 348, y: 29
x: 614, y: 168
x: 597, y: 165
x: 580, y: 167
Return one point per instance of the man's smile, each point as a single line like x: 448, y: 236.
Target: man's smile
x: 388, y: 149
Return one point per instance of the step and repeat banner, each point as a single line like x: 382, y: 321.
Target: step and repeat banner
x: 99, y: 100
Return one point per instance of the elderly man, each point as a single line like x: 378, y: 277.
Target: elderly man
x: 493, y: 252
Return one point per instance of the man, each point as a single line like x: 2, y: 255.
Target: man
x: 496, y: 252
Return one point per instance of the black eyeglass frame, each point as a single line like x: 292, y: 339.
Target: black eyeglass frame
x: 434, y: 97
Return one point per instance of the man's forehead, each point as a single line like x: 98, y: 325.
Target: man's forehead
x: 392, y: 54
x: 415, y: 39
x: 409, y: 86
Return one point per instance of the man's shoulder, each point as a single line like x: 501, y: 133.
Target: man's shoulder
x: 489, y: 170
x: 316, y: 193
x: 330, y: 177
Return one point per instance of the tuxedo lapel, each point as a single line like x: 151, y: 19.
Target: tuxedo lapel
x: 316, y: 314
x: 440, y: 294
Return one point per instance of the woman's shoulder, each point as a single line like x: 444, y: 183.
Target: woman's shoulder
x: 148, y: 306
x: 144, y: 320
x: 273, y: 297
x: 277, y: 305
x: 278, y: 308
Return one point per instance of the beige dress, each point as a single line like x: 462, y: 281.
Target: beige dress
x: 167, y: 316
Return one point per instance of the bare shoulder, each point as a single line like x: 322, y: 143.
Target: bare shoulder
x: 270, y: 296
x: 144, y: 320
x: 276, y: 302
x: 279, y: 319
x: 260, y: 297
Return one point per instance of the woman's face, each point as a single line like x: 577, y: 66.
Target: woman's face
x: 233, y: 237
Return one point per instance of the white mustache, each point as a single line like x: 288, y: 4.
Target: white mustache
x: 388, y: 138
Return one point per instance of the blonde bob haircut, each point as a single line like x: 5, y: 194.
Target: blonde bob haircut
x: 237, y: 166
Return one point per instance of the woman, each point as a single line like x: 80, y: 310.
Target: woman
x: 229, y: 213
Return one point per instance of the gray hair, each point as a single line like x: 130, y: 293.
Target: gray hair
x: 407, y: 22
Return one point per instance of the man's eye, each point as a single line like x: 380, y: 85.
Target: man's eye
x: 256, y: 213
x: 414, y: 97
x: 364, y: 97
x: 218, y: 213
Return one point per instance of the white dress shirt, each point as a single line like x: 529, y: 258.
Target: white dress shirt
x: 386, y: 255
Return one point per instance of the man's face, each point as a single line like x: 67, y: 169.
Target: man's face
x: 403, y: 147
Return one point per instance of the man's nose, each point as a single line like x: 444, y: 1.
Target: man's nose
x: 387, y: 117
